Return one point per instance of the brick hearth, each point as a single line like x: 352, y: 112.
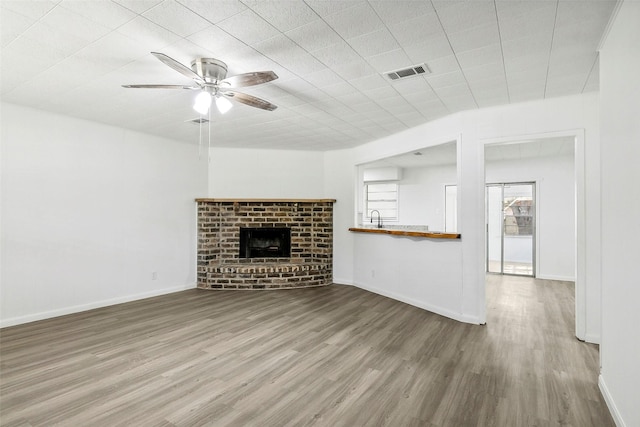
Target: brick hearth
x: 219, y: 262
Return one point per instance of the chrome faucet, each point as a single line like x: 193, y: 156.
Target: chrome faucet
x: 379, y: 218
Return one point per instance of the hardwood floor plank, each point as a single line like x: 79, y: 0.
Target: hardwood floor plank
x: 329, y: 356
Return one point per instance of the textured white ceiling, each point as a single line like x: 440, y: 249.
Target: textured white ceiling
x: 72, y: 56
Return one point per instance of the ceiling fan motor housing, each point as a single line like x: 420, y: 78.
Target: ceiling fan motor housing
x: 212, y: 70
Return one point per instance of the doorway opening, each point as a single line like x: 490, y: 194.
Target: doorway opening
x: 555, y: 163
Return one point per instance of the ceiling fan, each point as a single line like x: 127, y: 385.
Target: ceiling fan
x: 210, y: 78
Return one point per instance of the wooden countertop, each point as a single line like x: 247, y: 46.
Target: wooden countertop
x: 408, y: 233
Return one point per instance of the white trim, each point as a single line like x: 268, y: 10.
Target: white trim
x: 592, y: 338
x: 579, y: 163
x: 12, y: 321
x: 482, y: 266
x: 607, y: 29
x: 580, y: 212
x: 615, y: 414
x: 460, y: 317
x: 552, y: 277
x: 342, y: 282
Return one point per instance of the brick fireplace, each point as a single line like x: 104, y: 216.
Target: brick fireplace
x: 292, y: 243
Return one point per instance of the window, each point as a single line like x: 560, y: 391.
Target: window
x: 382, y: 197
x: 518, y: 216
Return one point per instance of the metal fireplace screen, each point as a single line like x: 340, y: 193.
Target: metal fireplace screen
x: 265, y: 242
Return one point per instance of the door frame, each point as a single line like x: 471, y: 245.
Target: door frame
x: 580, y: 212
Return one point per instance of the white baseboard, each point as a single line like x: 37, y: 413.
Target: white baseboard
x: 553, y: 277
x: 13, y: 321
x: 460, y: 317
x: 338, y: 281
x: 592, y: 338
x: 610, y: 403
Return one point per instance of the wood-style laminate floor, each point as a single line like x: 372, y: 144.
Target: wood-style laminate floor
x: 332, y: 356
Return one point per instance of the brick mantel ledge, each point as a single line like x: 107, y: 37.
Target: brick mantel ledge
x: 267, y: 200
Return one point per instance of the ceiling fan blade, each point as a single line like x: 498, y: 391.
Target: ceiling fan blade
x: 182, y: 69
x: 249, y: 100
x: 161, y: 87
x: 250, y: 79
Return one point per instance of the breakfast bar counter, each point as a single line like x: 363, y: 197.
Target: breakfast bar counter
x: 407, y: 232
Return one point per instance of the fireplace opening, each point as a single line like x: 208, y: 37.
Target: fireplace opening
x: 265, y: 242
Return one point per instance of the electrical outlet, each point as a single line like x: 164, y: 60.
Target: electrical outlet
x: 373, y: 273
x: 154, y: 275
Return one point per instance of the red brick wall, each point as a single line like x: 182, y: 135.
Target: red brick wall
x: 219, y: 264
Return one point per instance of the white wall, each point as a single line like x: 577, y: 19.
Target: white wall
x: 421, y: 195
x: 252, y: 173
x: 555, y: 209
x: 425, y: 273
x: 89, y: 212
x: 620, y: 124
x: 340, y: 184
x: 422, y: 272
x: 473, y: 129
x: 289, y: 174
x: 421, y: 202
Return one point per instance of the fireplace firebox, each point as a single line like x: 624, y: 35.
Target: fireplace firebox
x: 265, y: 242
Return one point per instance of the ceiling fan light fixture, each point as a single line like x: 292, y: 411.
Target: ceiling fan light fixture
x: 223, y: 104
x: 203, y: 102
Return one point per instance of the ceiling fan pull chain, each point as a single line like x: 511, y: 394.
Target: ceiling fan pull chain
x: 200, y: 139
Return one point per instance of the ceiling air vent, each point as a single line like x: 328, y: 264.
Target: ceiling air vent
x: 415, y: 70
x: 199, y: 120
